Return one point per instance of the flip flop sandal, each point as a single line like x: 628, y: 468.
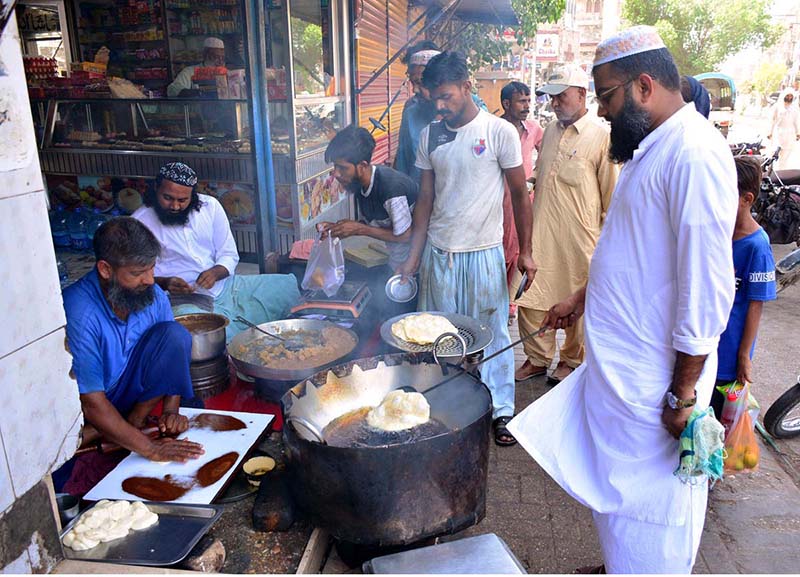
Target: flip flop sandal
x: 501, y: 432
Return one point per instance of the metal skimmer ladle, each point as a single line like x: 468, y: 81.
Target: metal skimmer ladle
x: 462, y: 370
x: 290, y: 343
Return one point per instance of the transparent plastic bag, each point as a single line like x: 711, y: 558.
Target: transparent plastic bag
x: 325, y: 268
x: 741, y: 447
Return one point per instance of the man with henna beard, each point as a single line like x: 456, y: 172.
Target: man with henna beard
x: 128, y: 353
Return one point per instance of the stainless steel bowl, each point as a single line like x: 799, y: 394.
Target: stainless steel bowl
x: 399, y: 291
x: 208, y: 334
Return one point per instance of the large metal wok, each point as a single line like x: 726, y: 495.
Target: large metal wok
x: 393, y: 494
x: 245, y: 364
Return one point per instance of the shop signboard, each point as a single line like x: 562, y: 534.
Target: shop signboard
x: 547, y: 46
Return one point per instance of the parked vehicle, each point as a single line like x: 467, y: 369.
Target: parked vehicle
x: 747, y: 148
x: 722, y: 91
x: 782, y: 419
x: 777, y: 208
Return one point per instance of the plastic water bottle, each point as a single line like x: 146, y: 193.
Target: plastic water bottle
x: 79, y: 240
x: 95, y: 221
x: 729, y: 410
x: 58, y: 227
x: 63, y: 273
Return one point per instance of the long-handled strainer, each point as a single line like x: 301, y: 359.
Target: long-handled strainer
x: 461, y: 369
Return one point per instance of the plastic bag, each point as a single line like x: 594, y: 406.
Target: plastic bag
x: 735, y: 404
x: 741, y: 447
x: 325, y: 268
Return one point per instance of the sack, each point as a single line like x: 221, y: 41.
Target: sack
x: 741, y: 447
x: 782, y: 219
x: 325, y: 268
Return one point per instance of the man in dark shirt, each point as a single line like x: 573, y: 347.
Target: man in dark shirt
x: 385, y: 196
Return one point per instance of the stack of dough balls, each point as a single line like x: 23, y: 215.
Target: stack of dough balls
x: 107, y: 521
x: 399, y: 411
x: 422, y: 329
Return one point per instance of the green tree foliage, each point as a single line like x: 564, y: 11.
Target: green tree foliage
x: 701, y: 34
x: 484, y: 43
x: 767, y: 79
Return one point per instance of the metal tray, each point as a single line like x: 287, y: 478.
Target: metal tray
x: 477, y: 336
x: 169, y: 541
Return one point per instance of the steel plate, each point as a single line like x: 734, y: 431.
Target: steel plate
x: 477, y: 336
x: 260, y: 371
x: 169, y: 541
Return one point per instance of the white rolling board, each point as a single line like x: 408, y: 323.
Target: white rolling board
x: 215, y: 443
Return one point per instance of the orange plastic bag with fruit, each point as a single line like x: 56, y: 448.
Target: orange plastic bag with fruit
x: 741, y: 447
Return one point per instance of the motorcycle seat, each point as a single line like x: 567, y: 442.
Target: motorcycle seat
x: 788, y: 177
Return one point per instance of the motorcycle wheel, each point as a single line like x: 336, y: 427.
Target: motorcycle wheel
x: 782, y: 420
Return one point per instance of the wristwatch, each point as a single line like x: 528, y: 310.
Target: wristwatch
x: 676, y: 404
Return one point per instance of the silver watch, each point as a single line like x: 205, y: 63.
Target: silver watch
x: 676, y: 404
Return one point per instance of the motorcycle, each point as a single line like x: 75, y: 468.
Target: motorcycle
x: 777, y: 207
x: 782, y: 419
x: 747, y: 148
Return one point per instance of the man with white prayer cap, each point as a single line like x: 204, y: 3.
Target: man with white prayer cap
x: 213, y: 55
x: 660, y: 288
x: 419, y: 111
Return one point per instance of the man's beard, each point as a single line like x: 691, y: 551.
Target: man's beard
x: 169, y: 218
x: 628, y: 130
x: 130, y: 300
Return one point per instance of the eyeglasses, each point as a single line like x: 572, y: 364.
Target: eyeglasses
x: 605, y: 96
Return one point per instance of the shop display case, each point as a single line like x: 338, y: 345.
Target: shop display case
x: 308, y: 104
x: 184, y: 126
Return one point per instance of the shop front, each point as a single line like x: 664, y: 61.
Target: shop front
x: 246, y: 92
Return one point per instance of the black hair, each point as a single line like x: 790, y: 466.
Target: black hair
x: 686, y: 89
x: 418, y: 47
x: 124, y: 241
x: 748, y: 175
x: 446, y: 68
x: 512, y: 88
x: 657, y: 64
x: 149, y: 198
x: 352, y: 143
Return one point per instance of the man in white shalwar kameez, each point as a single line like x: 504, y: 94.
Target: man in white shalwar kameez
x: 661, y: 285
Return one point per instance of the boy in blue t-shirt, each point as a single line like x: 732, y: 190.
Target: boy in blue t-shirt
x: 755, y: 283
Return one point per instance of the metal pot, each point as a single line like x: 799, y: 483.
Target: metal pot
x: 208, y: 334
x: 393, y: 494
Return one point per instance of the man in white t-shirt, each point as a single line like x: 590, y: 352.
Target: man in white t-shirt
x: 464, y: 160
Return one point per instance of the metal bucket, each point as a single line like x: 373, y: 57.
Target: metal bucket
x: 398, y: 493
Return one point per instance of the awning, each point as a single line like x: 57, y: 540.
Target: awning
x: 482, y: 11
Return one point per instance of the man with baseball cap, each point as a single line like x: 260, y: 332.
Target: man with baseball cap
x: 575, y: 179
x: 657, y: 300
x: 213, y: 55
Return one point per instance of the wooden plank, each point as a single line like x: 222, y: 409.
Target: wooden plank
x: 315, y: 552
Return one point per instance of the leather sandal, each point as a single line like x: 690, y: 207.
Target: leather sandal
x: 502, y: 436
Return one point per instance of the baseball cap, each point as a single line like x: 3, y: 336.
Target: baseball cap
x: 562, y: 78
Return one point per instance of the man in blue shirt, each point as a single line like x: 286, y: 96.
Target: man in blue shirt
x: 128, y: 353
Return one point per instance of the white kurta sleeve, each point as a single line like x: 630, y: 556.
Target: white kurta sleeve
x: 225, y: 252
x: 182, y: 81
x: 703, y: 200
